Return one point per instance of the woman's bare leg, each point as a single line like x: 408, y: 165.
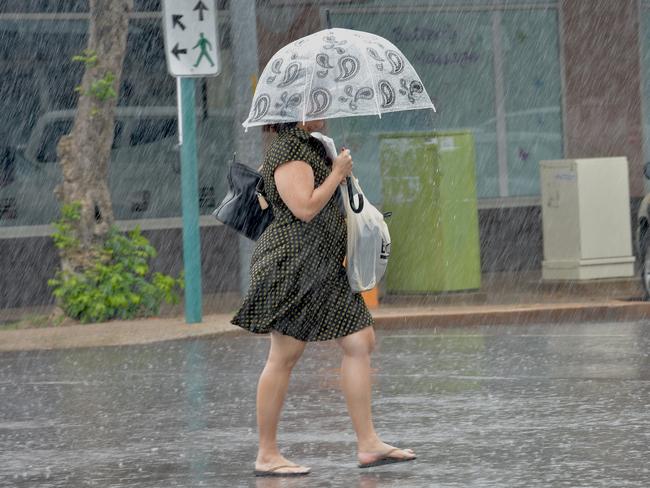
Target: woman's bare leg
x: 271, y: 391
x: 357, y: 387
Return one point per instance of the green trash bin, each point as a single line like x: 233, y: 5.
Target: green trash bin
x: 429, y: 184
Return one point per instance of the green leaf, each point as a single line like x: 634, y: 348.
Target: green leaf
x: 117, y: 285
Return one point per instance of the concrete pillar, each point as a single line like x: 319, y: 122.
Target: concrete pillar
x: 602, y: 74
x: 245, y: 71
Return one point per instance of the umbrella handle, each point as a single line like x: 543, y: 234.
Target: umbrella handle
x: 351, y: 197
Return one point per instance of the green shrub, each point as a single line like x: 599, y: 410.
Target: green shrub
x: 117, y: 282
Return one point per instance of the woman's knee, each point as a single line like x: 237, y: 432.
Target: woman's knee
x: 284, y: 361
x: 361, y: 343
x: 285, y: 352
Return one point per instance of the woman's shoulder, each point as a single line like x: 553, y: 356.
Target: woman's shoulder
x: 286, y: 147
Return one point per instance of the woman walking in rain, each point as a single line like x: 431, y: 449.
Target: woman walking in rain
x: 299, y: 293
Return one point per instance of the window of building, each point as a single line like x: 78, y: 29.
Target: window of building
x: 149, y: 131
x: 490, y: 67
x: 532, y: 95
x: 50, y: 138
x: 38, y: 101
x: 44, y: 6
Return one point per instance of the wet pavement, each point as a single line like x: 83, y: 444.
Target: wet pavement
x: 508, y: 406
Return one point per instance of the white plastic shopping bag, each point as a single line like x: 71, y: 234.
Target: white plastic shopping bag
x: 368, y: 236
x: 368, y: 243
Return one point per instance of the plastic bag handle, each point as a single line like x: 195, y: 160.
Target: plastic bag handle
x: 351, y: 197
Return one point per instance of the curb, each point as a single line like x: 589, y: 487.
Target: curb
x: 116, y: 333
x: 148, y: 331
x: 518, y: 315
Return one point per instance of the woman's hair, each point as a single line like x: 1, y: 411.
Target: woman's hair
x: 279, y: 127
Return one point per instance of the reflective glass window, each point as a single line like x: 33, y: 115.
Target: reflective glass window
x: 43, y: 6
x: 38, y: 101
x: 457, y: 52
x: 532, y: 95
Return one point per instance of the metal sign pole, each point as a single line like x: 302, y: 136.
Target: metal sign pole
x: 192, y: 50
x: 190, y: 202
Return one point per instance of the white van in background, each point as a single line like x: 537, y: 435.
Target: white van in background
x: 144, y: 170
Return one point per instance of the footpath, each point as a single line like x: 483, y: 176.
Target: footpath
x: 503, y: 299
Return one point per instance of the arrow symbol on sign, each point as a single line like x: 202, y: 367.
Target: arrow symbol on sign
x: 200, y: 7
x: 177, y: 51
x: 176, y: 21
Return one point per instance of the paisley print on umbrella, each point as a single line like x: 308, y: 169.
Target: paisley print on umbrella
x: 410, y: 89
x: 288, y: 102
x: 323, y: 60
x: 275, y: 69
x: 375, y: 55
x: 363, y: 93
x: 336, y: 73
x: 260, y: 107
x: 332, y: 43
x: 293, y: 73
x: 320, y: 99
x: 396, y: 62
x: 348, y: 68
x: 387, y: 94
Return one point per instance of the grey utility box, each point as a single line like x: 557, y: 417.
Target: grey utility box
x: 586, y: 219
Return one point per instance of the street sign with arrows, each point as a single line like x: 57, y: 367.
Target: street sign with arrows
x: 191, y: 37
x: 192, y: 50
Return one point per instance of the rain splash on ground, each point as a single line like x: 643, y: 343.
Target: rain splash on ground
x: 508, y: 406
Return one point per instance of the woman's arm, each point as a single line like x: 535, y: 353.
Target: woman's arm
x: 295, y: 183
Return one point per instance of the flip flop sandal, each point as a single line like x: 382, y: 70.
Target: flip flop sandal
x: 387, y: 459
x: 274, y: 471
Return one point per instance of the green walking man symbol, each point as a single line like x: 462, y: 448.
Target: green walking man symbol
x: 204, y: 45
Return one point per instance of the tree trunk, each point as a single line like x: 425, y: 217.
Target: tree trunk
x: 84, y: 154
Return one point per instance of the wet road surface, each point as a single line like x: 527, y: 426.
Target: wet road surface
x: 515, y: 406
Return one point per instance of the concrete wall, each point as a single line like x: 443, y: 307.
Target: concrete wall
x: 511, y: 240
x: 28, y: 264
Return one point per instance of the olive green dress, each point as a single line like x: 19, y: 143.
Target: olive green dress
x: 298, y: 283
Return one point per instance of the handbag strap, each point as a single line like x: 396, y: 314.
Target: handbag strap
x: 259, y: 188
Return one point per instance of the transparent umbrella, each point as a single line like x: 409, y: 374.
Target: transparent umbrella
x: 336, y: 73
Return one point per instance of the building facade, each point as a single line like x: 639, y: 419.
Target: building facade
x: 531, y: 79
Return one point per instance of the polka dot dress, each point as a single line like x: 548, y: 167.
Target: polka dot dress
x: 298, y: 283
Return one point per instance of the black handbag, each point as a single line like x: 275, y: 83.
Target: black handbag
x: 244, y: 208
